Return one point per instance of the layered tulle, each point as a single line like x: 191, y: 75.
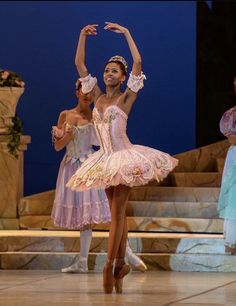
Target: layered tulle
x: 132, y: 167
x: 118, y: 161
x: 227, y: 197
x: 78, y: 210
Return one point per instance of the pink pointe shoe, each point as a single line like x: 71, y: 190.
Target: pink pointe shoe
x: 134, y: 261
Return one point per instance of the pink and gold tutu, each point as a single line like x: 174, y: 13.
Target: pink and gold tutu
x: 118, y: 161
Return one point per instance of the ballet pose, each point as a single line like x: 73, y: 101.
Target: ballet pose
x: 80, y: 210
x: 118, y: 165
x: 227, y: 197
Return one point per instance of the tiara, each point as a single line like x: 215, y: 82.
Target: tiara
x: 118, y: 58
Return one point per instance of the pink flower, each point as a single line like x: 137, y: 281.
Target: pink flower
x: 20, y: 83
x: 5, y: 75
x: 10, y: 79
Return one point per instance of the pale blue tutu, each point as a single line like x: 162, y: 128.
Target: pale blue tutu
x: 227, y: 198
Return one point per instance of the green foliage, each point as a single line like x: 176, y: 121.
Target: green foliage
x: 15, y: 132
x: 10, y: 79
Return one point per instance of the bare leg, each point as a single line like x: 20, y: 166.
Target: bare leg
x: 118, y: 230
x: 109, y: 193
x: 133, y: 259
x: 124, y: 239
x: 108, y: 269
x: 121, y: 254
x: 117, y: 196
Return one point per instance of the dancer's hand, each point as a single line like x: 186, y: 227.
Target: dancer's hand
x: 70, y: 131
x: 90, y: 29
x: 115, y: 27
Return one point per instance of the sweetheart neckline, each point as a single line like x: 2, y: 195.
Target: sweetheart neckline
x: 113, y: 105
x: 80, y: 126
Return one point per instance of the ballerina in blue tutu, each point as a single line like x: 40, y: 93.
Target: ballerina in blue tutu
x: 227, y: 198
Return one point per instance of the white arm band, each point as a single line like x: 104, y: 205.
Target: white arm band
x: 88, y: 83
x: 135, y: 82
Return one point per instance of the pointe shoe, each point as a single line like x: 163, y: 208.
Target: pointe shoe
x: 119, y: 273
x: 78, y: 267
x: 108, y: 279
x: 141, y: 267
x: 135, y: 262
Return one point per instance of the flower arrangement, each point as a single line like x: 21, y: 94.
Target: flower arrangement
x: 10, y: 79
x: 14, y: 133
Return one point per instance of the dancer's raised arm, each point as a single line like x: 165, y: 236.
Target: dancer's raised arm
x: 80, y: 52
x: 137, y: 61
x: 89, y: 83
x: 135, y: 81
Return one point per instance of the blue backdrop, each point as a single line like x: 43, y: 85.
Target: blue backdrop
x: 39, y: 39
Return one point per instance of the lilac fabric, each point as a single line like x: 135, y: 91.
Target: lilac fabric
x: 78, y: 210
x: 228, y: 122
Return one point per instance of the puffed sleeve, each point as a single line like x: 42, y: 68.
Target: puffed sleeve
x: 88, y: 83
x: 228, y: 122
x: 135, y: 82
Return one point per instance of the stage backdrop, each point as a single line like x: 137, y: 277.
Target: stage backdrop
x: 39, y: 39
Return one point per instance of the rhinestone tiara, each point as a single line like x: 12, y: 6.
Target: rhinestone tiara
x: 118, y: 58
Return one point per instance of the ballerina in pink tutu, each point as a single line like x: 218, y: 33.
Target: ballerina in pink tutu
x: 118, y: 165
x: 80, y: 210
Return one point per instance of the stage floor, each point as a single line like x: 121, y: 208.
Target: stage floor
x: 39, y: 288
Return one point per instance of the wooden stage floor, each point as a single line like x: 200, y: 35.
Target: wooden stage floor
x: 39, y: 288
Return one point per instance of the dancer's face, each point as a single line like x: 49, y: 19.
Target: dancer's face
x: 113, y: 74
x: 84, y: 98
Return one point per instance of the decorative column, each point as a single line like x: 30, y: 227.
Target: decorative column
x: 11, y: 182
x: 9, y: 97
x: 11, y: 166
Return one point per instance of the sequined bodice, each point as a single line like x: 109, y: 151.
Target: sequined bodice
x: 81, y: 145
x: 111, y: 128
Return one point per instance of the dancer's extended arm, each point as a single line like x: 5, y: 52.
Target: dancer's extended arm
x: 88, y: 83
x: 61, y: 135
x: 135, y: 82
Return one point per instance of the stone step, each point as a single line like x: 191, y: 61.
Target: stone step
x: 96, y: 262
x: 172, y: 209
x: 220, y: 162
x: 142, y: 224
x: 41, y: 203
x: 68, y: 241
x: 196, y: 179
x: 37, y: 204
x: 142, y: 209
x: 9, y: 223
x: 202, y: 159
x: 175, y: 194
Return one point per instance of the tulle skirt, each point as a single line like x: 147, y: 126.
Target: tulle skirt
x: 227, y: 198
x: 230, y: 233
x: 78, y: 210
x: 134, y: 166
